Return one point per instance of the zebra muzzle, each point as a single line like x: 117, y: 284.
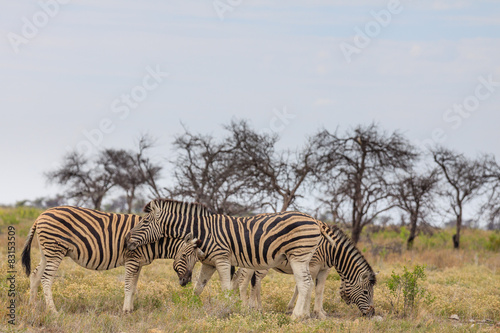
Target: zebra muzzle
x: 183, y: 281
x: 370, y: 311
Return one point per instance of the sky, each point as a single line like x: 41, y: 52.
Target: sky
x: 88, y: 75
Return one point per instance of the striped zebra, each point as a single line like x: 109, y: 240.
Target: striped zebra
x: 335, y: 250
x: 257, y: 242
x: 96, y: 240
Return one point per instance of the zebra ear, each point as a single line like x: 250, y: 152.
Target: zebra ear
x: 188, y: 237
x: 147, y: 208
x: 365, y: 276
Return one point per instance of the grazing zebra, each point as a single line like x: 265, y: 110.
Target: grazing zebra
x: 257, y: 242
x: 96, y: 240
x: 335, y: 250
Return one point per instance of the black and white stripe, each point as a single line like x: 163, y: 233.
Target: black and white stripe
x: 335, y: 250
x: 95, y: 240
x: 256, y: 242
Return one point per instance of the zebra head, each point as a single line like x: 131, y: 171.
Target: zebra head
x: 186, y: 258
x: 149, y: 229
x: 360, y: 292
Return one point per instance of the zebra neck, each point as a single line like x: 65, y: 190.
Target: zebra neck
x: 346, y: 258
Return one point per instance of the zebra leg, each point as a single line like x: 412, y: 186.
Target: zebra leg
x: 256, y: 289
x: 36, y: 276
x: 206, y: 273
x: 304, y: 287
x: 318, y: 311
x: 243, y: 282
x: 132, y: 271
x: 224, y: 270
x: 54, y: 258
x: 291, y: 304
x: 235, y: 281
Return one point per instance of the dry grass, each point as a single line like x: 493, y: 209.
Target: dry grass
x: 465, y: 282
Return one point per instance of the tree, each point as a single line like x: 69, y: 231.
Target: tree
x: 125, y: 171
x: 206, y: 171
x: 492, y: 205
x: 132, y: 170
x: 413, y: 193
x: 84, y: 181
x: 280, y: 175
x: 149, y: 170
x: 465, y: 178
x: 357, y: 170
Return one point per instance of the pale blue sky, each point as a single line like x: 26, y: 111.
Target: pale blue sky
x: 262, y: 57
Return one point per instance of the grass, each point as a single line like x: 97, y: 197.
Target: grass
x: 464, y: 282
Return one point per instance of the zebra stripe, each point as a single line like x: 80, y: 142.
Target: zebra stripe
x: 335, y: 250
x: 96, y: 240
x: 257, y: 242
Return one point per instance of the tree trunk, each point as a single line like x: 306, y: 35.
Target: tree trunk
x: 456, y: 237
x: 356, y: 232
x: 97, y: 203
x: 129, y: 204
x: 413, y: 231
x: 286, y: 203
x: 356, y: 229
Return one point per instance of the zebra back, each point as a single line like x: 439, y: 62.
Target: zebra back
x: 255, y: 241
x: 96, y: 240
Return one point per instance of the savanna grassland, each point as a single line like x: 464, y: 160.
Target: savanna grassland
x: 465, y: 283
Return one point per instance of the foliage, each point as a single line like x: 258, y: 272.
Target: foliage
x: 406, y: 289
x: 494, y: 242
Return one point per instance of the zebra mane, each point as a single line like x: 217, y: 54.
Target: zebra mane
x: 178, y: 207
x: 349, y: 245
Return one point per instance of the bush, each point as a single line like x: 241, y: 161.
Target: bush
x: 494, y: 242
x: 406, y: 291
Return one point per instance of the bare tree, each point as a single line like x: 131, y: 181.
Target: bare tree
x: 491, y: 207
x: 206, y: 171
x: 147, y: 168
x: 413, y: 193
x: 84, y: 181
x: 132, y: 170
x: 357, y: 171
x: 125, y: 171
x: 465, y: 178
x: 280, y: 175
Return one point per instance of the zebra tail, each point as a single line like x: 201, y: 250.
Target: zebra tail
x: 26, y: 255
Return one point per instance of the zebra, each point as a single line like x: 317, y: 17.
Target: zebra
x: 257, y: 242
x: 96, y: 240
x: 335, y: 250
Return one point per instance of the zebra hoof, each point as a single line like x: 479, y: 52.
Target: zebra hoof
x: 321, y: 315
x: 301, y: 317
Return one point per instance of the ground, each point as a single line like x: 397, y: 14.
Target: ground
x: 465, y: 283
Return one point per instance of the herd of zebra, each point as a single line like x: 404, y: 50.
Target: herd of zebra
x: 289, y: 242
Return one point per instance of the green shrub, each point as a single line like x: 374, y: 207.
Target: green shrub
x: 406, y: 291
x: 493, y: 242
